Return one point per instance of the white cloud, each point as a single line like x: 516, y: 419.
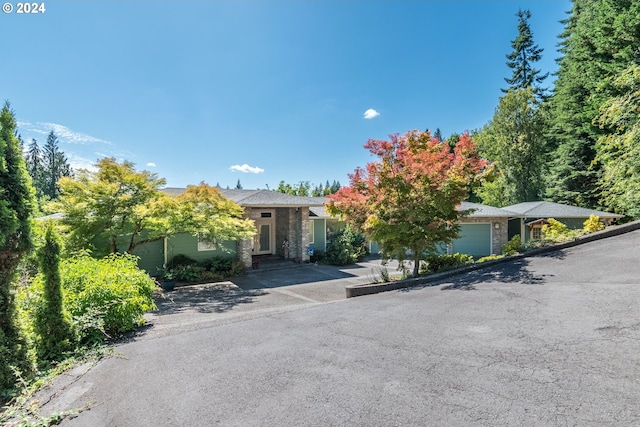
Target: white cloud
x: 371, y: 113
x: 63, y: 133
x: 151, y: 165
x: 246, y: 168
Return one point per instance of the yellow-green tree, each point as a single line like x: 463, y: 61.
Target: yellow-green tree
x: 117, y: 209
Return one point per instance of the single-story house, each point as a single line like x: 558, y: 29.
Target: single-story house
x: 282, y: 228
x: 533, y: 215
x: 482, y: 233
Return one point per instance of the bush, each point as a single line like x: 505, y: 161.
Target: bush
x: 435, y: 263
x: 346, y: 247
x: 187, y: 270
x: 555, y: 232
x: 52, y: 321
x: 489, y: 258
x: 106, y: 297
x: 593, y: 224
x: 513, y: 246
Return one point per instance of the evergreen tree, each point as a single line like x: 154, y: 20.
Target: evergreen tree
x: 16, y: 206
x: 35, y: 167
x: 600, y: 40
x: 53, y: 324
x: 238, y: 185
x: 525, y: 54
x: 55, y: 166
x: 438, y: 135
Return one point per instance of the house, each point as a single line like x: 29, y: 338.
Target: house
x: 533, y: 216
x: 282, y: 228
x: 483, y: 232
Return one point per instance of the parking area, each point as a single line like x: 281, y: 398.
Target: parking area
x: 259, y: 293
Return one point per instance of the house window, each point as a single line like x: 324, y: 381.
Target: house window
x: 536, y: 233
x: 205, y: 245
x: 265, y: 215
x: 312, y: 227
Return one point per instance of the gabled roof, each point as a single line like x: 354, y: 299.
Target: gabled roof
x: 556, y: 210
x: 259, y: 198
x: 484, y: 211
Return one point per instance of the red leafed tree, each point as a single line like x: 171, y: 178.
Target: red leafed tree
x: 408, y: 198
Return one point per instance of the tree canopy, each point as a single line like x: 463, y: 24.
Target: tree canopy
x: 514, y: 140
x: 619, y: 150
x: 118, y: 208
x: 409, y: 197
x: 600, y: 40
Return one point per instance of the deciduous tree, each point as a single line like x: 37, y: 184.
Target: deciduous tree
x: 619, y: 150
x: 408, y: 198
x: 514, y: 140
x: 117, y: 209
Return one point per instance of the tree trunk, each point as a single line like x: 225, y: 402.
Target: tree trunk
x: 416, y: 264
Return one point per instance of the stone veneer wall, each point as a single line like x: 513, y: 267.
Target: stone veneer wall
x: 244, y: 247
x: 282, y: 232
x: 499, y: 236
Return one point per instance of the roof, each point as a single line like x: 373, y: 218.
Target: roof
x: 484, y: 211
x: 261, y: 198
x: 479, y: 211
x: 556, y: 210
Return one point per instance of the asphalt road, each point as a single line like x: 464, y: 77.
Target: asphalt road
x: 548, y: 340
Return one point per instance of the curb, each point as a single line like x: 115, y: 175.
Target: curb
x: 374, y: 288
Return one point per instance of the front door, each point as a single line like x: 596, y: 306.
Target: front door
x: 263, y: 241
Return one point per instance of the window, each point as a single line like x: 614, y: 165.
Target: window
x: 312, y: 227
x: 536, y: 232
x: 205, y: 245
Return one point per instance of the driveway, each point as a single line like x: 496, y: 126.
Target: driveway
x: 547, y: 340
x: 259, y: 293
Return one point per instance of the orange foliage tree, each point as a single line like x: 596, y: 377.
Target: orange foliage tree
x: 408, y: 200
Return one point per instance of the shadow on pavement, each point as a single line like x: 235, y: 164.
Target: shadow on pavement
x: 513, y: 272
x: 208, y: 298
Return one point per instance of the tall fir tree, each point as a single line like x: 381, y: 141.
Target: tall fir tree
x: 599, y: 41
x: 55, y: 166
x: 16, y: 207
x: 523, y: 58
x: 33, y: 159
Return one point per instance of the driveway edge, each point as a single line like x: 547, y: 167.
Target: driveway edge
x: 374, y: 288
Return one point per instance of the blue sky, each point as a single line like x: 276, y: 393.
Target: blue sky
x: 260, y: 91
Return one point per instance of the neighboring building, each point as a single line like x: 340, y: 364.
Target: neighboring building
x: 535, y: 215
x: 484, y: 232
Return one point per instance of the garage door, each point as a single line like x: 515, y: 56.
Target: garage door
x: 475, y: 240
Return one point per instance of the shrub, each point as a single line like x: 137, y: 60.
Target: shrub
x: 435, y: 263
x: 489, y: 258
x: 52, y: 322
x: 218, y: 264
x: 593, y: 224
x: 106, y: 297
x: 555, y: 231
x: 181, y: 260
x: 346, y: 247
x: 513, y: 246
